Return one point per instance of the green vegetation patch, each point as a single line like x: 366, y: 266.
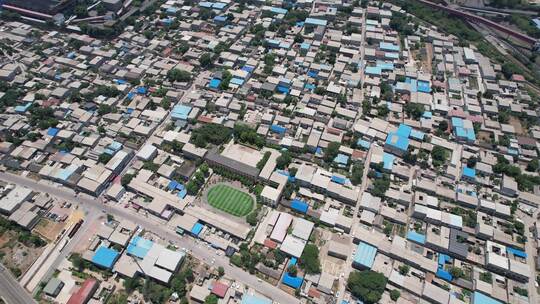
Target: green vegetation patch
x: 230, y: 200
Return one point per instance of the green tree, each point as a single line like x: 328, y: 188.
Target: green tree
x: 211, y: 299
x: 309, y: 260
x: 126, y: 179
x: 292, y: 270
x: 331, y: 151
x: 221, y: 271
x: 439, y: 155
x: 403, y: 269
x: 357, y: 173
x: 131, y: 284
x: 367, y: 285
x: 165, y: 103
x: 533, y: 165
x: 394, y: 294
x: 178, y: 75
x: 456, y: 272
x: 414, y: 110
x: 443, y: 125
x: 104, y: 158
x: 205, y: 60
x: 471, y: 162
x: 283, y: 160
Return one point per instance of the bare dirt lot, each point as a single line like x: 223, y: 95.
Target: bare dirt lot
x: 15, y: 255
x: 49, y: 229
x: 514, y: 121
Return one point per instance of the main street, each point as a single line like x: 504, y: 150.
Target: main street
x: 11, y: 292
x: 93, y: 206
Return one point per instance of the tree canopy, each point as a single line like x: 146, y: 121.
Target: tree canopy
x: 178, y: 75
x: 309, y: 260
x: 331, y: 151
x: 367, y: 285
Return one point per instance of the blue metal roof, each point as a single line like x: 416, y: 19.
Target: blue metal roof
x: 457, y: 122
x: 278, y: 129
x: 460, y: 132
x: 278, y: 10
x: 416, y: 237
x: 386, y: 46
x: 388, y: 160
x: 363, y: 143
x: 404, y: 130
x: 443, y: 274
x: 214, y: 83
x: 22, y: 108
x: 299, y: 206
x: 220, y: 18
x: 373, y: 70
x: 338, y: 179
x: 423, y: 86
x: 385, y: 65
x: 141, y: 90
x: 471, y: 135
x: 65, y: 173
x: 480, y: 298
x: 469, y: 172
x: 516, y: 252
x: 283, y: 89
x: 197, y: 228
x: 402, y: 143
x: 105, y: 257
x: 139, y: 247
x: 248, y: 68
x: 52, y: 131
x: 417, y: 134
x: 341, y: 159
x: 294, y: 282
x: 251, y: 299
x: 219, y: 5
x: 365, y: 255
x: 180, y: 112
x: 315, y: 21
x: 237, y: 81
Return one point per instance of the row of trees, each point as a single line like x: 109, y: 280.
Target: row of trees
x: 210, y: 133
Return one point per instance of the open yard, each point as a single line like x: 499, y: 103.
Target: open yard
x: 230, y: 200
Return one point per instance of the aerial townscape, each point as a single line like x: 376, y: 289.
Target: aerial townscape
x: 269, y: 152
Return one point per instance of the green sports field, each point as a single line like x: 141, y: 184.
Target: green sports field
x: 230, y: 200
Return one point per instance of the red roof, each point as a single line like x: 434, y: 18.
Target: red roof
x: 333, y: 131
x: 358, y: 154
x: 270, y: 244
x: 205, y: 119
x: 518, y: 77
x: 220, y: 289
x: 314, y: 293
x: 84, y: 293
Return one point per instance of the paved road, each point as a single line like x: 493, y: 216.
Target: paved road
x: 198, y: 250
x: 10, y: 290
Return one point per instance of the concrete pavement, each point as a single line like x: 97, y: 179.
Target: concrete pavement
x: 10, y: 290
x: 198, y: 250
